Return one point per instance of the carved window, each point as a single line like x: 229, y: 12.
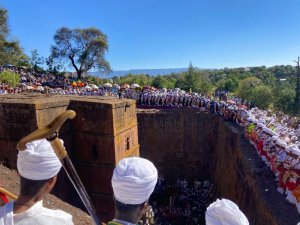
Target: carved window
x: 127, y: 143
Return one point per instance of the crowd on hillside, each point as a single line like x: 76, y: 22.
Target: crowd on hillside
x: 35, y: 82
x: 276, y: 137
x: 181, y: 202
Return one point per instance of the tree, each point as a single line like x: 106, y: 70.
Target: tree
x: 162, y: 82
x: 261, y: 96
x: 252, y: 89
x: 192, y: 80
x: 284, y: 100
x: 3, y: 23
x: 10, y: 78
x: 10, y: 51
x: 246, y: 87
x: 231, y: 84
x: 52, y: 67
x: 83, y: 48
x: 36, y: 60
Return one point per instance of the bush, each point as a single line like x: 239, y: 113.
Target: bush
x: 10, y: 78
x: 262, y: 96
x: 285, y: 100
x: 246, y: 87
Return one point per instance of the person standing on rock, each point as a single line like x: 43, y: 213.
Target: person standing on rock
x: 38, y: 167
x: 133, y: 182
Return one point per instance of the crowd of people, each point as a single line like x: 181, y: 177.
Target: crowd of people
x: 35, y: 82
x: 275, y: 136
x: 276, y: 140
x: 181, y: 202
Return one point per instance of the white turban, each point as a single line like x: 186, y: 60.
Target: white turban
x: 134, y: 180
x: 224, y: 212
x: 38, y: 161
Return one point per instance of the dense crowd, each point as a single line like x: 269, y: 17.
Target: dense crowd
x: 275, y: 136
x: 34, y: 82
x: 276, y: 139
x: 181, y: 202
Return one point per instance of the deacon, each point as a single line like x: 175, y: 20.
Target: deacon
x: 38, y: 167
x: 133, y: 182
x: 225, y: 212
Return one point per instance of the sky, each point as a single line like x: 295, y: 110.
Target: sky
x: 156, y: 34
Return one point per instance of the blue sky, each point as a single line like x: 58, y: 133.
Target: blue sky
x: 150, y: 34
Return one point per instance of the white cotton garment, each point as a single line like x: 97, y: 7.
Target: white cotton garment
x: 39, y: 215
x: 224, y: 212
x: 38, y: 161
x: 134, y: 180
x: 6, y: 214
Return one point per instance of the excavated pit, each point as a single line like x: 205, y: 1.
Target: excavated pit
x: 188, y: 143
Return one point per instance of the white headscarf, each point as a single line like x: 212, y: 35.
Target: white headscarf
x: 225, y: 212
x: 38, y: 161
x: 134, y: 180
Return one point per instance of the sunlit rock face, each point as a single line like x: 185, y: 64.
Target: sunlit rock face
x: 103, y: 132
x: 187, y: 143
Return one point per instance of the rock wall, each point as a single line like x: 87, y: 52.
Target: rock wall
x: 103, y: 132
x: 19, y: 116
x: 193, y: 144
x: 179, y: 141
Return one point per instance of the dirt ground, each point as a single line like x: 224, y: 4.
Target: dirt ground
x: 10, y: 181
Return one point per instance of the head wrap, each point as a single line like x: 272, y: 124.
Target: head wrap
x: 250, y: 119
x: 38, y: 161
x: 134, y: 180
x: 224, y: 212
x: 275, y: 138
x: 260, y: 125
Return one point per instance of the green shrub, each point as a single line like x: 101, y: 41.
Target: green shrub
x: 10, y: 78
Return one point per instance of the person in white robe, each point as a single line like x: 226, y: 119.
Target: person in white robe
x: 133, y: 182
x: 38, y: 167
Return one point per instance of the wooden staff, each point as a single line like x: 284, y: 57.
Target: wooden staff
x: 8, y: 193
x: 50, y: 132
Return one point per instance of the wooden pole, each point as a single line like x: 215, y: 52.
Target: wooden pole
x: 8, y: 193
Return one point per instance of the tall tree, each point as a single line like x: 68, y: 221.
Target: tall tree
x: 192, y: 80
x: 3, y: 23
x: 12, y: 53
x: 83, y: 48
x: 10, y: 50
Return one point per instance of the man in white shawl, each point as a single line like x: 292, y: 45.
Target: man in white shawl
x: 133, y: 182
x: 38, y: 167
x: 225, y: 212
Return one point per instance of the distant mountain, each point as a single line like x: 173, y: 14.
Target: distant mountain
x: 151, y: 72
